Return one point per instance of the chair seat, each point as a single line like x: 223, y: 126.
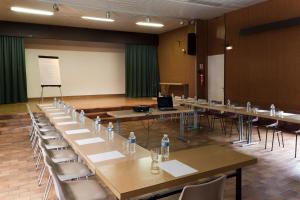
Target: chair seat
x: 50, y: 135
x: 55, y: 144
x: 83, y: 190
x: 263, y: 122
x: 64, y: 155
x: 47, y: 129
x: 73, y: 170
x: 288, y: 127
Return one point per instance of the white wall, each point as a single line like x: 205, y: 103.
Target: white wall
x: 215, y: 79
x: 82, y: 72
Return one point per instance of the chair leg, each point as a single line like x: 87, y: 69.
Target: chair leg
x: 258, y: 132
x: 282, y: 139
x: 266, y: 138
x: 48, y: 187
x: 296, y: 145
x: 273, y: 139
x: 41, y: 175
x: 277, y: 133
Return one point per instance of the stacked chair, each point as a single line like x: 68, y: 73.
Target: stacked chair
x: 71, y: 179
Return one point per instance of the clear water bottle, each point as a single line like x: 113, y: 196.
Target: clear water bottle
x: 248, y: 106
x: 110, y: 127
x: 182, y: 97
x: 74, y: 114
x: 272, y: 110
x: 97, y: 123
x: 228, y: 103
x: 81, y: 116
x: 55, y: 102
x: 131, y: 142
x: 165, y: 147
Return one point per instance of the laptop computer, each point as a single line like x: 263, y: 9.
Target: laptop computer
x: 165, y: 103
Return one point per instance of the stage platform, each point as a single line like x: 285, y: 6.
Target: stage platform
x: 91, y: 104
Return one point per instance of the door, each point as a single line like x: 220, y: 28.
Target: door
x: 215, y: 79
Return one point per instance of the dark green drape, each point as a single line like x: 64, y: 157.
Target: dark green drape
x: 142, y: 73
x: 12, y: 70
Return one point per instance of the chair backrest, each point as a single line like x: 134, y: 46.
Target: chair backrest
x: 56, y: 182
x: 213, y: 190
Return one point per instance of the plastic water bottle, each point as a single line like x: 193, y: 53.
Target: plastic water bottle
x: 74, y: 114
x: 97, y: 123
x: 182, y: 97
x: 165, y: 145
x: 272, y: 110
x: 131, y: 142
x: 81, y: 116
x: 248, y: 106
x: 228, y: 103
x: 55, y: 102
x: 110, y: 127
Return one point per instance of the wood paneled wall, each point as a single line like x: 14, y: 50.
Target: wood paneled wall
x: 216, y: 36
x: 264, y: 68
x: 175, y: 65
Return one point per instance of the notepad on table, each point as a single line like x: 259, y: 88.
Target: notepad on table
x: 57, y: 113
x: 45, y: 105
x: 66, y: 123
x: 176, y: 168
x: 89, y: 141
x: 49, y: 107
x: 62, y: 117
x: 52, y: 109
x: 77, y: 131
x: 110, y: 155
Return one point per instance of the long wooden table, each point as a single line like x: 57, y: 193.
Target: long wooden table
x: 131, y: 175
x: 241, y: 112
x: 182, y: 111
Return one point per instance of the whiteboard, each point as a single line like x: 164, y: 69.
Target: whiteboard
x: 49, y: 70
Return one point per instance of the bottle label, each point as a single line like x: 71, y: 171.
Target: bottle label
x: 165, y: 144
x: 132, y: 141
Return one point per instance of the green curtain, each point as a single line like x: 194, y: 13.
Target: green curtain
x: 12, y: 70
x: 142, y: 73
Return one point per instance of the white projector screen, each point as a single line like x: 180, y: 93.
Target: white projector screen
x: 49, y: 70
x: 82, y: 72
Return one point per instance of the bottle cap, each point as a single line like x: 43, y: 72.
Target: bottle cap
x: 165, y: 135
x: 131, y: 133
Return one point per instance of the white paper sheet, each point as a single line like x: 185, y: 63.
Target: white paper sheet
x: 52, y: 109
x: 57, y: 113
x: 45, y: 105
x: 62, y: 117
x: 176, y: 168
x: 66, y: 123
x: 49, y: 107
x: 77, y: 131
x: 89, y: 141
x: 261, y: 111
x: 110, y: 155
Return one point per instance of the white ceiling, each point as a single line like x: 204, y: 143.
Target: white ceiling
x: 125, y: 12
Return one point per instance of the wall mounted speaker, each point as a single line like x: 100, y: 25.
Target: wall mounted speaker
x: 191, y: 48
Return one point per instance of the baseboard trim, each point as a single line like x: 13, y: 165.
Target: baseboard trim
x: 79, y: 96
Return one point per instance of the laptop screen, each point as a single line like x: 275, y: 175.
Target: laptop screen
x: 164, y: 102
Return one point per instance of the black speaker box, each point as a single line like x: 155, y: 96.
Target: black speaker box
x: 191, y: 48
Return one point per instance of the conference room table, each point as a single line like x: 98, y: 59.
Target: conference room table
x: 129, y: 175
x: 242, y: 112
x: 180, y: 110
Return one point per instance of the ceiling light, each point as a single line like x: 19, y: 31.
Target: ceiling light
x: 98, y: 19
x: 148, y: 23
x: 31, y: 11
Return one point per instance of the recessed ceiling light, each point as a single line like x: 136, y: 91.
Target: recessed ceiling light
x: 107, y: 19
x: 148, y: 23
x: 31, y: 11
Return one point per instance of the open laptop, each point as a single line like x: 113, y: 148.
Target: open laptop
x: 165, y: 103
